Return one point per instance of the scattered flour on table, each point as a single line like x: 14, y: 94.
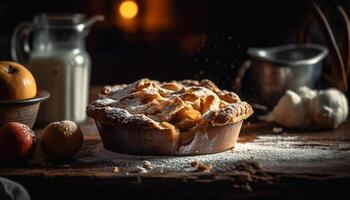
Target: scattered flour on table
x: 269, y: 150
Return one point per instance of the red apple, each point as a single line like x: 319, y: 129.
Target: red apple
x: 16, y: 143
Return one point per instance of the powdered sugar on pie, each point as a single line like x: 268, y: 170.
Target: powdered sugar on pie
x: 180, y: 105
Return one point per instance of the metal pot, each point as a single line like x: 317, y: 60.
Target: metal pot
x: 276, y: 69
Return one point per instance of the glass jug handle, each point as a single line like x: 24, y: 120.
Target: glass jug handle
x: 20, y: 47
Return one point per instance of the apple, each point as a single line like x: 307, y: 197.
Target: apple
x: 61, y: 140
x: 17, y: 143
x: 16, y: 82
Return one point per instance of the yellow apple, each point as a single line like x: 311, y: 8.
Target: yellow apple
x: 61, y: 140
x: 16, y: 82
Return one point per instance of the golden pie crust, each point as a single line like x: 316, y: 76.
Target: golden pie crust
x: 172, y: 112
x: 183, y: 104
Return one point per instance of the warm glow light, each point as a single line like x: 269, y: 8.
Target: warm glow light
x: 128, y: 9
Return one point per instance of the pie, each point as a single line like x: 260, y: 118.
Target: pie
x: 171, y: 112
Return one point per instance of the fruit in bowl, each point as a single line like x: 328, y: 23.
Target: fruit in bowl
x: 17, y: 143
x: 19, y: 98
x: 16, y: 82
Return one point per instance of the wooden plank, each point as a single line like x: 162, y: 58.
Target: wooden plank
x: 264, y: 164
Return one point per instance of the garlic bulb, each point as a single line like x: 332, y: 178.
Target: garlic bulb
x: 290, y: 110
x: 307, y: 108
x: 329, y: 108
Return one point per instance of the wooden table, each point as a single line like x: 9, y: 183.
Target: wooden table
x: 266, y: 163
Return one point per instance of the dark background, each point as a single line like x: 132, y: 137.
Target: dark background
x: 205, y: 38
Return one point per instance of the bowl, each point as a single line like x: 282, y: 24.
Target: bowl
x: 24, y: 111
x: 132, y: 140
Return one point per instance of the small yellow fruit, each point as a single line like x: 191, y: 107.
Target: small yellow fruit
x: 61, y: 140
x: 16, y: 82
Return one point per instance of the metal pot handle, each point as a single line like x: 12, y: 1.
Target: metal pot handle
x: 20, y: 47
x: 237, y: 84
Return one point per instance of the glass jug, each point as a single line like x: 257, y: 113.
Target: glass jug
x: 59, y: 62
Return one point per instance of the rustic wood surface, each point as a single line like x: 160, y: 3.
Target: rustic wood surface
x: 266, y: 163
